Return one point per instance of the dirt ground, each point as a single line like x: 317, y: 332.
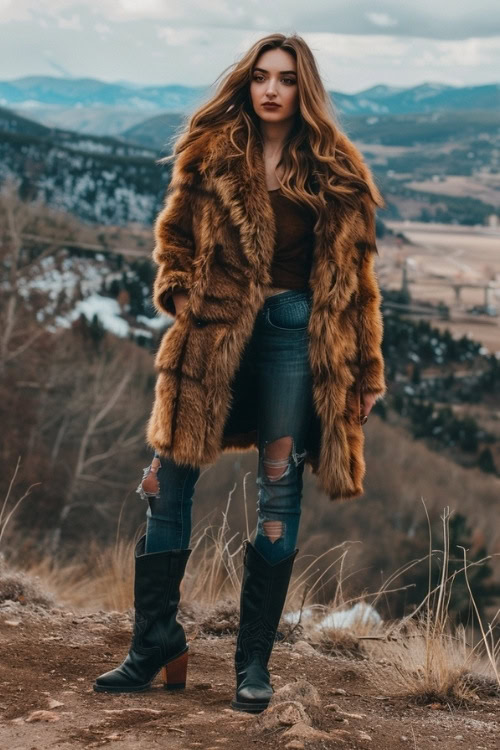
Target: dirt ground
x: 51, y: 657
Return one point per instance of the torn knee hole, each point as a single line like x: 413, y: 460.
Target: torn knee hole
x: 277, y: 457
x: 273, y: 530
x: 150, y: 483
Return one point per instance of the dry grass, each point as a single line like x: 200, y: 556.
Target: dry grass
x: 215, y: 569
x: 429, y: 666
x: 426, y: 660
x: 107, y: 583
x: 338, y: 642
x: 18, y: 586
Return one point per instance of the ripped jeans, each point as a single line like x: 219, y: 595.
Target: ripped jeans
x: 277, y: 356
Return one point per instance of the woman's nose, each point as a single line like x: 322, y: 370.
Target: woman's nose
x: 271, y: 87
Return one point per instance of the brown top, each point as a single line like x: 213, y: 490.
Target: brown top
x: 293, y: 252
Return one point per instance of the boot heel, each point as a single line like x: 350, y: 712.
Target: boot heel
x: 174, y: 673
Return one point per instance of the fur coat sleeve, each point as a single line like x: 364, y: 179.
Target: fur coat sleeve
x: 371, y: 377
x: 175, y: 244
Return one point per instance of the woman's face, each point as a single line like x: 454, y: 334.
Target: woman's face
x: 274, y: 79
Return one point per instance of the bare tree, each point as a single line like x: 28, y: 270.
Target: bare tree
x: 104, y: 423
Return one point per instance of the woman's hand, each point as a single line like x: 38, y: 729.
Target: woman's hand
x: 180, y: 301
x: 366, y: 402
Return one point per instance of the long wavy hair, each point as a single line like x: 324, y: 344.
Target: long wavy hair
x: 319, y: 161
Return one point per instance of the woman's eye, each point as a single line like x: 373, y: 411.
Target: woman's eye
x: 289, y: 81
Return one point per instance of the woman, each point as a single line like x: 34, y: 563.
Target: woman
x: 265, y: 248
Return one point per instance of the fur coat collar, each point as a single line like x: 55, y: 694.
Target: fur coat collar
x: 215, y: 238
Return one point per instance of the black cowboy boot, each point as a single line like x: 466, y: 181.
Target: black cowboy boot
x: 263, y: 593
x: 158, y: 640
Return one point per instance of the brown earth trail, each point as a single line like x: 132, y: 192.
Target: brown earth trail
x: 51, y: 657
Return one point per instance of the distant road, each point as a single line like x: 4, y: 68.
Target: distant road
x: 89, y: 247
x: 426, y: 227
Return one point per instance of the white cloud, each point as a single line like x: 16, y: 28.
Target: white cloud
x: 447, y: 19
x: 353, y: 47
x: 467, y: 53
x: 192, y: 42
x: 352, y: 63
x: 145, y: 9
x: 180, y: 37
x: 11, y: 11
x: 381, y: 19
x: 72, y: 23
x: 102, y: 29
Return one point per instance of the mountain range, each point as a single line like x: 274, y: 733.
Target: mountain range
x: 92, y: 106
x: 92, y: 148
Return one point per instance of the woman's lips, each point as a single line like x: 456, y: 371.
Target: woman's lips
x: 268, y: 105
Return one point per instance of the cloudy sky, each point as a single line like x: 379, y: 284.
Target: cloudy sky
x: 357, y: 43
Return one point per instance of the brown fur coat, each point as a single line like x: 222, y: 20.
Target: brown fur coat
x: 215, y: 238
